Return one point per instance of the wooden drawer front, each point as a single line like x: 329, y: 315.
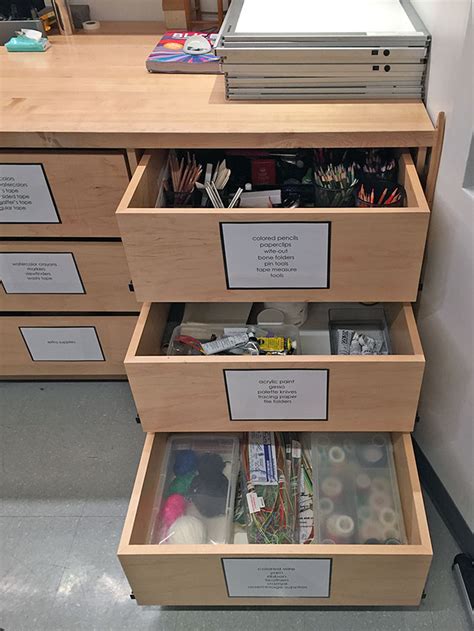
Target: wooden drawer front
x: 84, y: 187
x: 97, y: 269
x: 177, y: 254
x: 365, y: 393
x: 194, y: 575
x: 113, y: 333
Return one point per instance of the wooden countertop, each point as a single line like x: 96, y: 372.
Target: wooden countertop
x: 94, y: 91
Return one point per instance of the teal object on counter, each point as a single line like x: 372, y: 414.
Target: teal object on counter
x: 22, y: 44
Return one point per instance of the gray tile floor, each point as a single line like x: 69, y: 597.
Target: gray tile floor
x: 69, y: 453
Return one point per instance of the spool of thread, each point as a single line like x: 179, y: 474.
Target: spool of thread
x: 328, y: 541
x: 365, y: 512
x: 185, y: 461
x: 382, y: 485
x: 336, y: 455
x: 326, y: 506
x: 186, y: 530
x: 348, y: 446
x: 173, y: 508
x: 378, y: 501
x: 379, y: 440
x: 331, y: 487
x: 391, y: 533
x: 363, y: 482
x: 371, y: 529
x: 393, y: 542
x: 372, y: 454
x: 340, y: 528
x: 91, y: 25
x: 388, y: 517
x: 371, y: 542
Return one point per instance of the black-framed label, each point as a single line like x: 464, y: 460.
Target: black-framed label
x: 281, y: 394
x: 40, y: 273
x: 63, y: 343
x: 25, y: 195
x: 277, y: 577
x: 276, y: 255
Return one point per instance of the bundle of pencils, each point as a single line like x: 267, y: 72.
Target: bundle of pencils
x: 335, y: 177
x: 184, y: 175
x: 385, y: 199
x: 377, y: 163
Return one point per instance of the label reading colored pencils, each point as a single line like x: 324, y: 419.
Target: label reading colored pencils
x: 277, y: 578
x: 276, y: 255
x: 25, y: 196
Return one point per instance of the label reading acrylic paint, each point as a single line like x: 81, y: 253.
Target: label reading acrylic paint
x: 298, y: 394
x: 25, y: 196
x: 277, y: 578
x: 39, y: 273
x: 65, y: 344
x: 279, y: 255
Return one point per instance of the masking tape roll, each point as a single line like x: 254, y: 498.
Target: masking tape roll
x: 91, y: 25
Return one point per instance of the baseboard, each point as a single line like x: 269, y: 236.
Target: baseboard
x: 444, y: 503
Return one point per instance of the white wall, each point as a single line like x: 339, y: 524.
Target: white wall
x: 446, y: 313
x: 140, y: 10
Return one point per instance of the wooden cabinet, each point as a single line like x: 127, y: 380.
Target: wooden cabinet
x: 73, y: 193
x: 196, y: 574
x: 190, y: 393
x: 177, y: 254
x: 99, y: 356
x: 66, y: 276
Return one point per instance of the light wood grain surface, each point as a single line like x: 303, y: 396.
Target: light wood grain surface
x: 102, y: 268
x: 113, y: 333
x: 176, y: 255
x: 185, y: 394
x: 193, y: 574
x: 95, y: 92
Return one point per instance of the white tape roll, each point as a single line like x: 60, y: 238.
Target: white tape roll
x: 91, y: 25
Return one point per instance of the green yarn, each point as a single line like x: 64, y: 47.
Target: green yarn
x: 180, y: 484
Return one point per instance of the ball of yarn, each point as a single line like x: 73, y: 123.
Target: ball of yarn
x: 180, y: 484
x: 173, y: 508
x: 210, y: 494
x: 187, y: 529
x: 185, y: 461
x: 210, y: 465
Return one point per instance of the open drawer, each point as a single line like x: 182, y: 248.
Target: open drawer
x: 207, y: 254
x: 321, y: 392
x: 204, y: 574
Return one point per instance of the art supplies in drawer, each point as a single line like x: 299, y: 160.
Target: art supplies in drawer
x: 195, y: 496
x: 356, y: 497
x: 271, y: 470
x: 265, y: 178
x: 359, y: 331
x: 221, y: 339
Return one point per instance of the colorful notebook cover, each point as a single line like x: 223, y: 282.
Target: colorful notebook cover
x: 168, y: 55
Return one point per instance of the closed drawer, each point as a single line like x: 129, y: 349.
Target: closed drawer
x: 198, y: 254
x: 64, y: 276
x: 64, y: 347
x: 350, y: 393
x: 195, y: 575
x: 61, y: 193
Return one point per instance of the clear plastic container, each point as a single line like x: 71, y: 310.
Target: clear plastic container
x: 194, y: 335
x: 370, y: 322
x: 194, y: 503
x: 355, y: 490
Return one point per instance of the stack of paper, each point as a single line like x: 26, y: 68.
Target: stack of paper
x: 323, y: 49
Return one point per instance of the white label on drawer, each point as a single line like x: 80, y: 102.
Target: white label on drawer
x: 278, y: 255
x: 277, y: 578
x: 293, y: 394
x: 40, y: 273
x: 25, y: 196
x: 63, y: 343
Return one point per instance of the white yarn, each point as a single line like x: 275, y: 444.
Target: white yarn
x: 187, y: 529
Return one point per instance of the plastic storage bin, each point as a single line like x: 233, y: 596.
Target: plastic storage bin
x: 195, y: 496
x: 355, y: 490
x: 344, y: 323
